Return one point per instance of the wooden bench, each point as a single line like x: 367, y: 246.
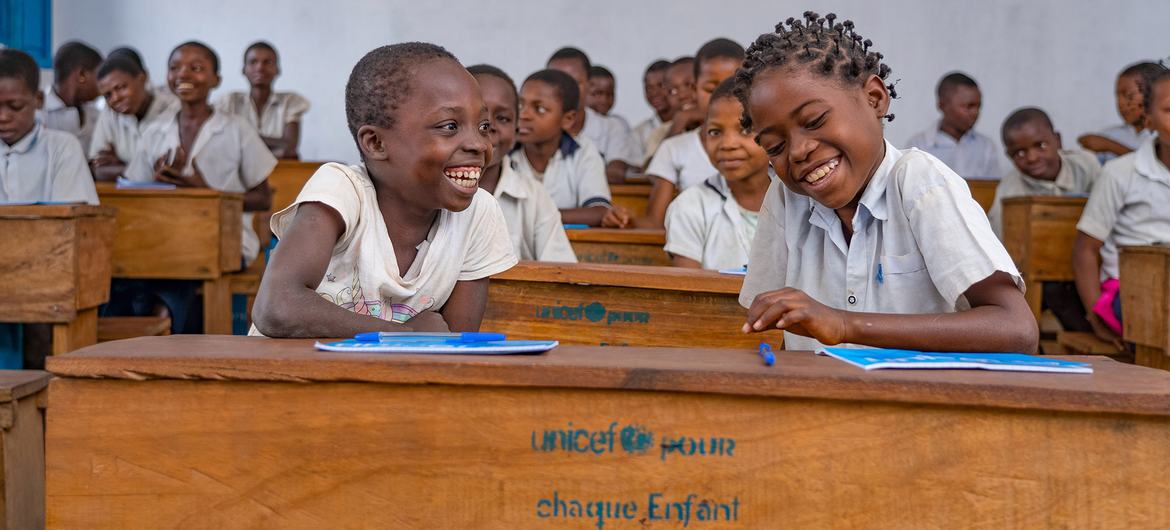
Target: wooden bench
x: 613, y: 246
x: 56, y: 267
x: 1039, y: 233
x: 182, y: 234
x: 247, y: 432
x: 635, y: 197
x: 1145, y: 295
x: 983, y: 190
x: 625, y: 305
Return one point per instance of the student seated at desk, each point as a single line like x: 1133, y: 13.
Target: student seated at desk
x: 406, y: 240
x: 68, y: 104
x: 276, y: 115
x: 681, y: 161
x: 131, y: 107
x: 954, y: 139
x: 1124, y: 138
x: 534, y: 223
x: 1128, y: 206
x: 712, y: 225
x: 38, y: 164
x: 860, y: 242
x: 651, y: 131
x: 571, y: 169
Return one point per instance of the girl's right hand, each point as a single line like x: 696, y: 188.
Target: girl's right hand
x: 796, y: 312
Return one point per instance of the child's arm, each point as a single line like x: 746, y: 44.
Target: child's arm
x: 464, y: 308
x: 1101, y: 144
x: 1087, y: 274
x: 684, y: 262
x: 259, y: 198
x: 996, y: 304
x: 661, y: 194
x: 288, y: 305
x: 589, y: 215
x: 616, y: 217
x: 286, y: 145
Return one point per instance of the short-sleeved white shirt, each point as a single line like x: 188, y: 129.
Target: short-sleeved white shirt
x: 1130, y: 205
x: 121, y: 132
x: 1078, y: 173
x: 534, y: 223
x: 706, y: 224
x: 974, y: 156
x: 45, y: 165
x: 574, y: 178
x: 363, y: 274
x: 281, y: 109
x: 78, y: 121
x: 645, y: 128
x: 229, y: 152
x: 682, y: 161
x: 919, y: 242
x: 612, y: 137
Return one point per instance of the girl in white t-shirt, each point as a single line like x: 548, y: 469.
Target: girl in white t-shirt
x: 861, y: 242
x: 405, y: 241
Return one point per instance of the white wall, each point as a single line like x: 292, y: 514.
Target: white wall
x: 1061, y: 55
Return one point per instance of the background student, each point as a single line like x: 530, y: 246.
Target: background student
x: 131, y: 106
x: 1128, y: 135
x: 954, y: 139
x: 68, y: 104
x: 276, y: 115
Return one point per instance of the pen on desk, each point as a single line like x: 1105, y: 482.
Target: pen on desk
x: 766, y: 354
x: 375, y: 336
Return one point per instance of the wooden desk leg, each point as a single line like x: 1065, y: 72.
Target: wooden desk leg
x: 1151, y: 356
x: 79, y: 333
x: 1033, y: 292
x: 217, y: 307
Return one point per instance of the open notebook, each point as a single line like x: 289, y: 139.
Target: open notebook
x: 876, y: 359
x: 439, y: 346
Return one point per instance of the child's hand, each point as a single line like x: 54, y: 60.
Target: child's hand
x: 1103, y: 332
x: 171, y: 172
x: 428, y: 321
x: 106, y: 157
x: 794, y: 311
x: 616, y: 217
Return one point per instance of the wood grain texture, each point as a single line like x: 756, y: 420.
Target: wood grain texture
x: 1113, y: 388
x: 620, y: 247
x: 77, y: 333
x: 671, y: 278
x: 118, y: 328
x: 207, y: 454
x: 1039, y: 233
x: 635, y: 197
x: 1145, y: 298
x: 287, y: 179
x: 22, y: 449
x: 983, y: 191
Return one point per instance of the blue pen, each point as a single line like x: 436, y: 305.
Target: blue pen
x: 375, y: 336
x: 766, y: 354
x: 571, y: 226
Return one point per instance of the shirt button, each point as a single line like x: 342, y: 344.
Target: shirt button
x: 852, y: 299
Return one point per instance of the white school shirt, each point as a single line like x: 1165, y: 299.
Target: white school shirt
x: 612, y: 137
x: 706, y: 224
x: 45, y: 165
x: 1130, y: 205
x: 534, y: 223
x: 682, y: 161
x: 56, y: 115
x: 229, y: 152
x: 575, y: 177
x: 919, y: 242
x: 363, y: 274
x: 281, y: 109
x: 974, y: 156
x: 121, y: 132
x: 1078, y: 173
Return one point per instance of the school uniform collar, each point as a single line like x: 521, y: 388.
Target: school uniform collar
x: 1146, y: 162
x: 53, y: 101
x: 25, y: 144
x: 936, y: 137
x: 510, y: 183
x: 214, y: 125
x: 568, y: 146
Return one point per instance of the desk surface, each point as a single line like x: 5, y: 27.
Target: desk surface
x: 1114, y: 388
x: 640, y: 276
x: 54, y: 211
x: 640, y: 236
x: 106, y: 189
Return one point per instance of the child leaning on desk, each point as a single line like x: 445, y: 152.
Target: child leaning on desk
x: 860, y: 242
x: 406, y: 240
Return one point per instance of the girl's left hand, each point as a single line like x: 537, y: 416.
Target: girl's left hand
x: 616, y: 217
x: 194, y: 180
x: 794, y: 311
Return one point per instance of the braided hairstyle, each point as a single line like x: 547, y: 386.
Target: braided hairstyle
x: 828, y: 48
x: 1148, y: 76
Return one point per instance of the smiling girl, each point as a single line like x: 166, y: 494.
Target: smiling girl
x: 860, y: 242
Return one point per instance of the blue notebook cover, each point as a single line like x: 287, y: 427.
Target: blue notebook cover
x: 876, y: 359
x: 440, y: 346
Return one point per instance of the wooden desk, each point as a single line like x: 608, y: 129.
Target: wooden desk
x: 182, y: 234
x: 635, y: 197
x: 983, y: 190
x: 247, y: 432
x: 56, y: 268
x: 287, y: 179
x: 22, y: 448
x: 620, y: 247
x: 623, y: 305
x: 1145, y: 294
x: 1039, y: 233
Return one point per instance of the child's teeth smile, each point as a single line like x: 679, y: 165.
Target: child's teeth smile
x: 464, y: 177
x: 819, y: 173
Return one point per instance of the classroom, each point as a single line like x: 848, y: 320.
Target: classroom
x: 543, y: 264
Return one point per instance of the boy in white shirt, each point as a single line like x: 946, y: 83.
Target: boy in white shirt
x: 534, y: 223
x: 571, y: 169
x: 37, y: 164
x: 1128, y: 206
x: 276, y: 115
x: 954, y: 139
x: 132, y: 106
x: 405, y: 241
x: 68, y: 105
x: 712, y: 225
x: 654, y: 89
x: 1125, y: 137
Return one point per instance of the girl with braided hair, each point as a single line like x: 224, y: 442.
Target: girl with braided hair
x: 860, y: 243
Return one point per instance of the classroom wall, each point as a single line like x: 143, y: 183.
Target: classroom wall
x: 1059, y: 54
